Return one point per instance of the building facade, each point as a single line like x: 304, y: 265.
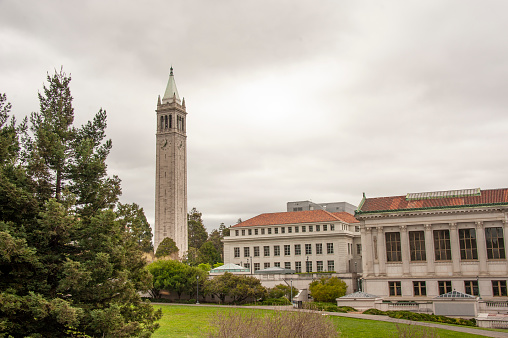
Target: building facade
x: 304, y: 241
x: 331, y: 207
x: 422, y: 245
x: 171, y: 169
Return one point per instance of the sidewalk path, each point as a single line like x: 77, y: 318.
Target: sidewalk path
x: 465, y: 329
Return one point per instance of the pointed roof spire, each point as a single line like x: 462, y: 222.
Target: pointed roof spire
x: 171, y: 90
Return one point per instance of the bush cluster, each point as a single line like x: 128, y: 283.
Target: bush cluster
x: 328, y: 307
x: 422, y: 317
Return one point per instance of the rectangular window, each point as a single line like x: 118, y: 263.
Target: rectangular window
x: 329, y: 248
x: 303, y: 228
x: 257, y: 266
x: 325, y: 227
x: 276, y: 264
x: 276, y: 250
x: 287, y: 250
x: 311, y: 228
x: 395, y: 288
x: 419, y: 288
x: 393, y: 252
x: 358, y: 249
x: 308, y: 249
x: 444, y: 286
x: 442, y: 249
x: 246, y: 265
x: 290, y: 230
x: 266, y: 251
x: 499, y: 288
x: 282, y: 230
x: 417, y: 246
x: 495, y: 243
x: 332, y: 227
x: 269, y: 231
x: 255, y: 231
x: 308, y: 266
x: 357, y: 228
x: 250, y: 232
x: 262, y: 231
x: 319, y: 266
x: 237, y: 233
x: 331, y: 265
x: 256, y: 251
x: 276, y: 230
x: 287, y: 265
x: 266, y: 265
x: 296, y: 229
x: 319, y: 248
x: 471, y: 287
x: 298, y: 249
x: 318, y: 227
x: 298, y: 266
x: 246, y: 252
x: 467, y: 240
x: 237, y: 252
x: 243, y: 232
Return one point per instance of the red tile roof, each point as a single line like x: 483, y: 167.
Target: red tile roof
x: 296, y: 217
x: 486, y: 197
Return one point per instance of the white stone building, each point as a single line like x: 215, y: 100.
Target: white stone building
x: 171, y: 169
x: 305, y: 241
x: 421, y: 245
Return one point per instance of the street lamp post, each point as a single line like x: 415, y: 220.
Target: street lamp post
x: 197, y: 289
x: 251, y: 263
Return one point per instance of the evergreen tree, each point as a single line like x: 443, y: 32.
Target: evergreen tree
x: 167, y: 248
x: 70, y: 265
x: 196, y: 230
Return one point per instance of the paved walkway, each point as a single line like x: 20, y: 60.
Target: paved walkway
x: 465, y: 329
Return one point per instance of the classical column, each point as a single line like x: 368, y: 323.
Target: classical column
x: 404, y: 243
x: 505, y: 235
x: 367, y: 252
x: 381, y: 247
x: 454, y: 243
x: 429, y: 249
x: 481, y: 248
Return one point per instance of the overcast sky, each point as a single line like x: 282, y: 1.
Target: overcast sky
x: 286, y: 100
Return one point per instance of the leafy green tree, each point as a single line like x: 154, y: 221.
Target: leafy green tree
x: 72, y: 267
x: 196, y: 230
x: 171, y: 275
x: 132, y: 217
x: 208, y: 253
x: 327, y: 289
x: 238, y: 287
x: 224, y: 232
x: 191, y: 257
x: 166, y: 248
x: 205, y: 266
x: 281, y: 290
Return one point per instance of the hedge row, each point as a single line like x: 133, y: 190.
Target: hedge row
x: 422, y: 317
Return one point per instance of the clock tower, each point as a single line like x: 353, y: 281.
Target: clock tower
x: 171, y: 169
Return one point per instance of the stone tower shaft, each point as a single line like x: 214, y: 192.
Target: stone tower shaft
x: 171, y: 169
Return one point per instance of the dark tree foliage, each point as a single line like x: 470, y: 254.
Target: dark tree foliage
x: 166, y: 248
x: 133, y: 218
x: 70, y: 264
x: 196, y: 230
x: 209, y: 254
x: 327, y: 289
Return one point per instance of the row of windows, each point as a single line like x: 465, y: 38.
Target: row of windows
x: 494, y: 242
x: 287, y: 250
x: 320, y: 267
x: 289, y: 230
x: 297, y: 250
x: 470, y: 286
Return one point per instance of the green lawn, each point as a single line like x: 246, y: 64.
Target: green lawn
x: 193, y: 321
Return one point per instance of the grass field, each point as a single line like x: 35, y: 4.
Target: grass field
x: 194, y: 321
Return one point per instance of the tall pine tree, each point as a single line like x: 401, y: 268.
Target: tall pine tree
x: 73, y: 264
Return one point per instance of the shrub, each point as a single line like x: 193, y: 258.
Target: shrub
x: 421, y: 317
x: 275, y: 301
x: 276, y: 324
x: 327, y: 289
